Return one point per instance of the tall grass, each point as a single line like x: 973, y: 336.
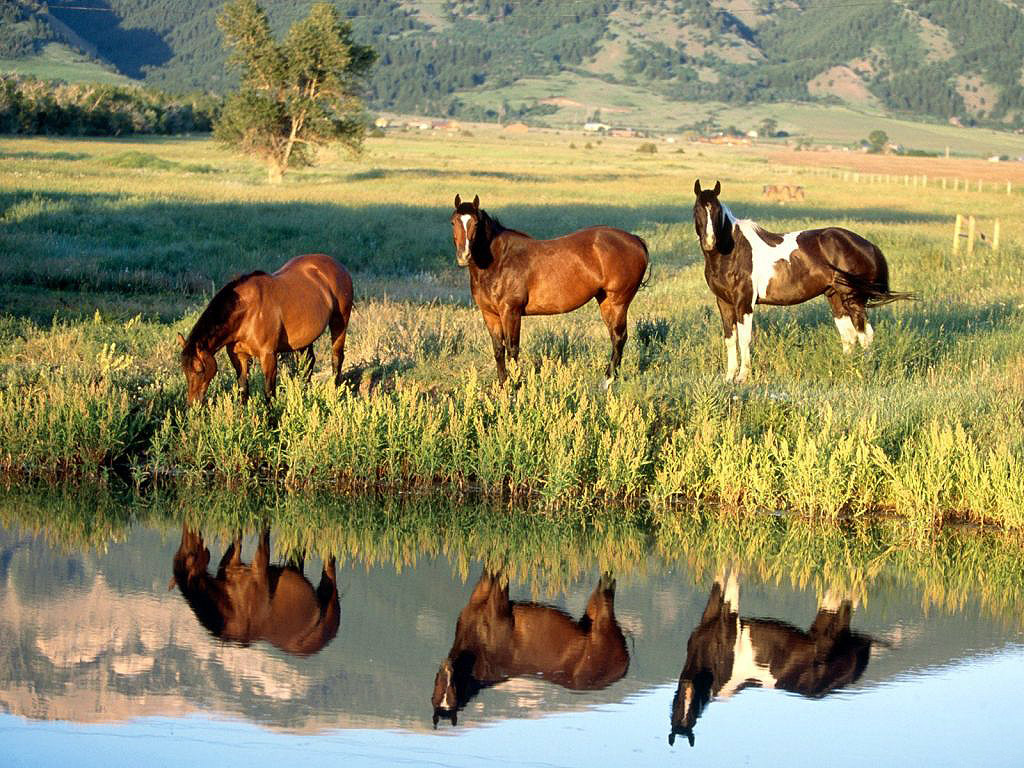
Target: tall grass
x: 927, y: 426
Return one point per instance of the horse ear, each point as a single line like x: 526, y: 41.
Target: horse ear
x: 458, y: 202
x: 696, y: 187
x: 718, y: 187
x: 476, y: 202
x: 181, y: 340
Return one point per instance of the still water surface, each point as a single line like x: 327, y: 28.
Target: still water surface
x: 134, y: 651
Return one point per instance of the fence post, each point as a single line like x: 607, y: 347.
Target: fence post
x: 943, y: 182
x: 995, y: 236
x: 1009, y: 187
x: 971, y: 226
x: 924, y: 180
x: 956, y: 233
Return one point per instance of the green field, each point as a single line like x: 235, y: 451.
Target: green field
x: 579, y: 97
x: 58, y: 62
x: 113, y: 246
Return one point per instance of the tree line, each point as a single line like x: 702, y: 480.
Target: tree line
x: 30, y: 106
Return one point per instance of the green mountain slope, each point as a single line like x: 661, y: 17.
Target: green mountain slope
x: 938, y: 58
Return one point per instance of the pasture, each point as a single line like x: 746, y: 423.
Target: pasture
x: 113, y: 247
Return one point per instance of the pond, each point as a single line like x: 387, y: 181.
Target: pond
x: 137, y: 632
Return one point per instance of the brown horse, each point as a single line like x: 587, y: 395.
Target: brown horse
x: 727, y: 653
x: 259, y: 315
x: 497, y: 639
x: 244, y: 603
x: 511, y: 275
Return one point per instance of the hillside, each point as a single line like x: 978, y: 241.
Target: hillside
x: 470, y: 58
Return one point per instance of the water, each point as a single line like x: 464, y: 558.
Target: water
x: 103, y: 664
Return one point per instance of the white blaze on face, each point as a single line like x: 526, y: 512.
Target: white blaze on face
x: 765, y: 257
x: 464, y: 218
x: 709, y: 229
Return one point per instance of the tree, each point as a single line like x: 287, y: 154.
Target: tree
x: 768, y: 127
x: 877, y: 140
x: 296, y: 95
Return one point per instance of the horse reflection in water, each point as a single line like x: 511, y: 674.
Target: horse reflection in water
x: 727, y: 653
x: 244, y: 603
x: 497, y: 639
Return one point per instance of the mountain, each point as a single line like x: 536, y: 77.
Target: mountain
x: 472, y: 58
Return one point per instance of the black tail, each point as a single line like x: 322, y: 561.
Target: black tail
x: 872, y: 293
x: 650, y: 267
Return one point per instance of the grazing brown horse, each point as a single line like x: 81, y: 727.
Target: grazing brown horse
x: 511, y: 275
x: 244, y: 603
x: 259, y: 315
x: 746, y: 265
x: 497, y: 639
x: 727, y: 653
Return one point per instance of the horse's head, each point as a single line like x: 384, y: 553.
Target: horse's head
x: 445, y: 697
x: 199, y: 367
x: 465, y: 220
x: 691, y: 698
x: 710, y: 221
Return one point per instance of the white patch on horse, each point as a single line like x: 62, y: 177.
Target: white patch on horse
x: 745, y: 668
x: 765, y: 256
x: 867, y: 336
x: 744, y: 331
x: 847, y: 333
x: 730, y: 351
x: 464, y: 218
x: 709, y: 229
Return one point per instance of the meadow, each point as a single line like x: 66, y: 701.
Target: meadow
x: 111, y: 247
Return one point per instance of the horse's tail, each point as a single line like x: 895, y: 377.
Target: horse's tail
x: 873, y: 293
x: 650, y: 267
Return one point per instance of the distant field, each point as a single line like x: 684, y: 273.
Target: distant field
x: 824, y: 124
x: 58, y: 62
x: 111, y: 247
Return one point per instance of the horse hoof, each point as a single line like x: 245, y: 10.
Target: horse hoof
x: 607, y: 385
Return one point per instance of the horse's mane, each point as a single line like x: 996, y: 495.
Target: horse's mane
x: 217, y: 313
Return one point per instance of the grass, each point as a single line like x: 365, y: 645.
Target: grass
x: 59, y: 62
x: 954, y: 567
x: 106, y: 263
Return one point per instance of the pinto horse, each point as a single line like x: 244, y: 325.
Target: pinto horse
x: 727, y: 653
x: 746, y: 265
x: 512, y: 274
x: 259, y: 315
x: 246, y: 602
x: 497, y: 639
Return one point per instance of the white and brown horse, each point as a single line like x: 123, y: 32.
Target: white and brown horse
x: 746, y: 265
x: 727, y: 653
x: 512, y: 274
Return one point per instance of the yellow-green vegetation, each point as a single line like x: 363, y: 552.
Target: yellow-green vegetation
x: 953, y: 568
x: 105, y: 263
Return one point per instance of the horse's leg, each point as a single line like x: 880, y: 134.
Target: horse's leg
x: 268, y: 362
x: 241, y: 366
x: 493, y: 323
x: 339, y: 329
x: 261, y: 560
x: 865, y: 333
x: 844, y: 322
x: 511, y: 323
x: 613, y: 312
x: 729, y: 328
x: 744, y: 329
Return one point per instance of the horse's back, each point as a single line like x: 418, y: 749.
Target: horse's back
x: 319, y: 269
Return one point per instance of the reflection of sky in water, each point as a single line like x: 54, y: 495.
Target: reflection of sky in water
x: 966, y: 713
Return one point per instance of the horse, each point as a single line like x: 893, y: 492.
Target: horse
x: 511, y: 275
x: 244, y: 603
x: 497, y: 639
x: 259, y: 315
x: 746, y: 265
x: 727, y: 653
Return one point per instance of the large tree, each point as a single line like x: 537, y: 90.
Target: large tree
x: 296, y: 95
